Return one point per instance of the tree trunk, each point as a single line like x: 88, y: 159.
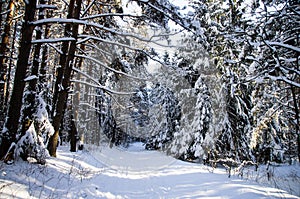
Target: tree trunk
x: 76, y: 100
x: 73, y: 135
x: 66, y: 81
x: 57, y: 109
x: 10, y: 66
x: 296, y: 101
x: 296, y: 106
x: 14, y: 111
x: 31, y: 96
x: 1, y: 6
x: 43, y: 69
x: 3, y: 60
x: 63, y: 57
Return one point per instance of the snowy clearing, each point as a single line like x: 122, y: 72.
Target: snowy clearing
x: 135, y: 173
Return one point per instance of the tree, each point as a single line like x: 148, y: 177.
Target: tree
x: 251, y: 47
x: 270, y: 137
x: 4, y: 48
x: 277, y: 65
x: 228, y: 49
x: 11, y: 126
x: 190, y: 142
x: 233, y: 141
x: 35, y: 110
x: 163, y: 116
x: 67, y: 65
x: 203, y: 120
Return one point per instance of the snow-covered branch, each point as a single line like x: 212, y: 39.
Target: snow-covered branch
x: 82, y: 22
x: 109, y: 68
x: 290, y: 47
x: 284, y: 79
x: 55, y: 40
x: 90, y: 37
x: 170, y: 12
x: 46, y: 6
x: 102, y: 87
x: 109, y: 15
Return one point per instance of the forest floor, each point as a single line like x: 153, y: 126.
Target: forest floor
x: 103, y: 172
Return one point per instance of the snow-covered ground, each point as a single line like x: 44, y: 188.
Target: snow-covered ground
x: 135, y: 173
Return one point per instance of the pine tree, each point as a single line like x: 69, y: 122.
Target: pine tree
x: 277, y: 65
x: 203, y: 117
x: 163, y: 124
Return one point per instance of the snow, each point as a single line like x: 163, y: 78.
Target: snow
x: 56, y: 40
x: 285, y: 79
x: 46, y: 6
x: 103, y: 172
x: 290, y: 47
x: 29, y: 78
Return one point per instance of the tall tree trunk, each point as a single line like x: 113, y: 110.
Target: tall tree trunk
x: 10, y: 66
x: 14, y: 110
x: 1, y: 5
x: 76, y: 107
x: 56, y: 119
x: 66, y: 81
x: 31, y: 96
x: 63, y: 57
x: 44, y: 71
x: 3, y: 60
x: 44, y: 68
x: 297, y: 106
x: 85, y: 94
x: 73, y: 135
x: 297, y: 113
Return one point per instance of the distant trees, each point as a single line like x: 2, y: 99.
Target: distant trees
x: 165, y: 114
x: 192, y: 139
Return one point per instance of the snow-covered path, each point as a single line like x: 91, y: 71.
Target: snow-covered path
x: 118, y: 173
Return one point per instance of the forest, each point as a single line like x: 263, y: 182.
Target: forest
x: 200, y: 80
